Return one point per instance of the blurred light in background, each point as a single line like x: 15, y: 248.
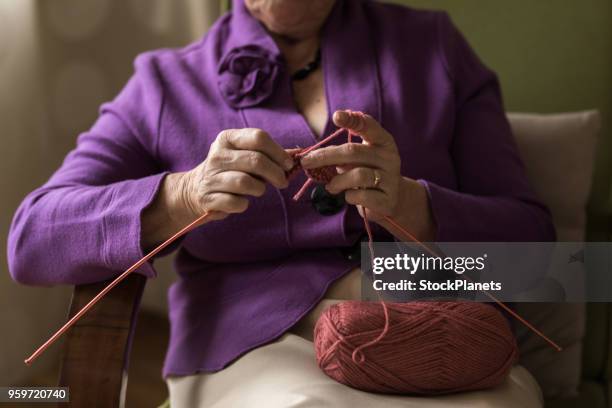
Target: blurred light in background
x: 59, y: 60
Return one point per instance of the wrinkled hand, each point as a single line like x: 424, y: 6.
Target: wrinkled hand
x: 370, y: 176
x: 369, y: 171
x: 238, y: 165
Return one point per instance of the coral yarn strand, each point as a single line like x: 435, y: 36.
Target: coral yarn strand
x: 383, y: 333
x: 111, y: 285
x: 366, y: 224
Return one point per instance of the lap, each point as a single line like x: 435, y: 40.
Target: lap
x: 347, y: 287
x: 285, y: 374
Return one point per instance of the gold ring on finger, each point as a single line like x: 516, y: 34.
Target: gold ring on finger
x: 376, y: 179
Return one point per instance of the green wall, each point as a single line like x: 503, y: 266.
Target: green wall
x: 551, y: 56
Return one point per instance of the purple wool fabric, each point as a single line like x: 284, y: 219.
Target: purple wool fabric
x: 245, y: 280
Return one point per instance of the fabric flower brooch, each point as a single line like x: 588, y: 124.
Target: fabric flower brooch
x: 247, y: 75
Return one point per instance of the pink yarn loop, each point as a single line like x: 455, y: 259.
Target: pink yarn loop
x: 382, y: 334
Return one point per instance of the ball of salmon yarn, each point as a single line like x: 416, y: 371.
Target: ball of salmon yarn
x: 427, y: 348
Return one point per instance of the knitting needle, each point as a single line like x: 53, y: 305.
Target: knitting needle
x: 202, y: 218
x: 120, y: 278
x: 489, y: 295
x: 111, y: 285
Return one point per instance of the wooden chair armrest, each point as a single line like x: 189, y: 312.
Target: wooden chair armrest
x: 96, y: 350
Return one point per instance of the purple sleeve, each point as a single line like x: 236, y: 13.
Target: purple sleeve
x: 494, y: 201
x: 83, y: 225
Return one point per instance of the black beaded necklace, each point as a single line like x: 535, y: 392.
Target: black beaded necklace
x: 312, y: 66
x: 323, y: 201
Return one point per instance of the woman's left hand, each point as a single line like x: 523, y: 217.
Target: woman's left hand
x: 370, y: 175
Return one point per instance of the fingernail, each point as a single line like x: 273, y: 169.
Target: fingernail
x: 288, y: 164
x: 309, y: 156
x: 341, y: 116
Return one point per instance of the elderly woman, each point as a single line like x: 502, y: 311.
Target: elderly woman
x: 207, y: 128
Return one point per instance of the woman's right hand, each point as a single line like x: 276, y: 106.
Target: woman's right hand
x: 239, y: 164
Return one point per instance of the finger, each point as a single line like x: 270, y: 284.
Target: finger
x: 253, y: 163
x: 348, y: 153
x: 236, y: 182
x: 359, y: 177
x: 293, y: 151
x: 260, y: 141
x: 224, y: 203
x: 363, y: 125
x: 374, y: 200
x: 344, y: 168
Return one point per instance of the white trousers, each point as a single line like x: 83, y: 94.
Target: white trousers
x: 285, y: 374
